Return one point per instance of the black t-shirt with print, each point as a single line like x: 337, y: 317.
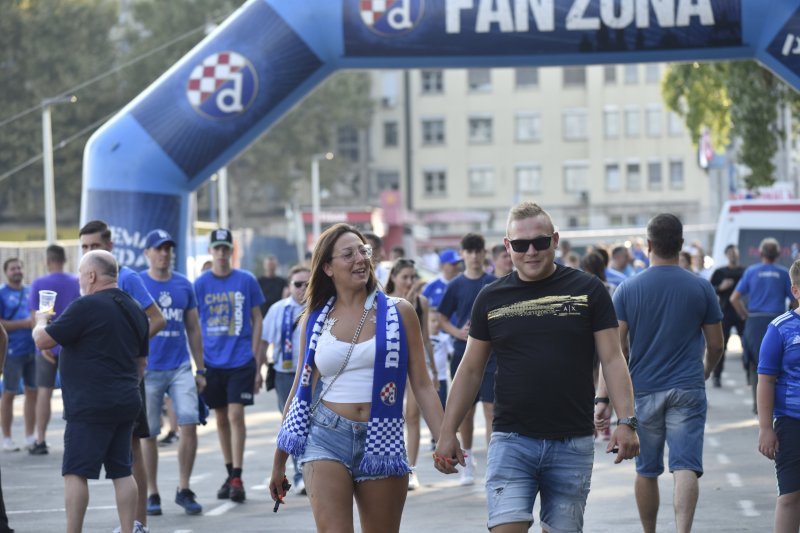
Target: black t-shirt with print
x: 542, y: 333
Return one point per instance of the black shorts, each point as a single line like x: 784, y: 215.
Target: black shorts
x: 88, y: 446
x: 230, y: 385
x: 787, y: 460
x: 141, y: 428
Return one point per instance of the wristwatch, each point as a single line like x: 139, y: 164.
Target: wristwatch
x: 601, y: 399
x: 200, y: 372
x: 631, y: 421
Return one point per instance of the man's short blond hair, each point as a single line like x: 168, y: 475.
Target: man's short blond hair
x: 794, y: 273
x: 528, y: 210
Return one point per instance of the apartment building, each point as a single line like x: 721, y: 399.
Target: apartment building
x: 594, y: 145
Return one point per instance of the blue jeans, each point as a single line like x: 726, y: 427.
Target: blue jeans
x: 179, y: 384
x: 677, y: 417
x: 518, y: 468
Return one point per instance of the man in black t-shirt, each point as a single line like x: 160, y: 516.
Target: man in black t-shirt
x: 543, y: 322
x: 272, y: 285
x: 104, y: 339
x: 724, y: 280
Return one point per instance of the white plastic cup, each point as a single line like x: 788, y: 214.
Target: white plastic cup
x: 47, y: 301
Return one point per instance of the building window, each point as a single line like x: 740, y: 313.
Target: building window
x: 481, y: 181
x: 574, y: 76
x: 615, y: 220
x: 611, y: 126
x: 432, y: 81
x: 529, y: 178
x: 631, y: 74
x: 675, y: 125
x: 479, y: 79
x: 526, y: 77
x: 576, y: 125
x: 676, y: 174
x: 653, y: 121
x: 576, y: 177
x: 610, y: 74
x: 632, y: 128
x: 652, y: 73
x: 433, y: 131
x: 347, y: 143
x: 388, y: 180
x: 435, y: 182
x: 634, y: 176
x: 613, y: 182
x: 480, y: 130
x: 528, y: 127
x: 654, y: 175
x: 390, y: 134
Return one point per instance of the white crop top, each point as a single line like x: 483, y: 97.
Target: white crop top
x: 354, y: 385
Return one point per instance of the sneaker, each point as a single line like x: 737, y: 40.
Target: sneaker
x: 153, y: 505
x: 186, y: 499
x: 169, y: 439
x: 468, y: 473
x: 224, y: 492
x: 237, y: 489
x: 30, y: 440
x: 300, y: 487
x: 9, y: 445
x: 413, y: 482
x: 38, y: 448
x: 137, y: 528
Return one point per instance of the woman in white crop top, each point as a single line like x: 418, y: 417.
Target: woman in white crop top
x: 341, y: 267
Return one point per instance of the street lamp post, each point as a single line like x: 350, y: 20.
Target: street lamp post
x: 47, y: 155
x: 315, y: 194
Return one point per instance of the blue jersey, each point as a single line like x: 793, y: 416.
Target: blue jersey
x: 457, y: 303
x: 224, y: 305
x: 780, y: 357
x: 131, y: 282
x: 14, y: 306
x: 767, y: 287
x: 168, y: 348
x: 666, y: 308
x: 434, y: 291
x: 280, y: 329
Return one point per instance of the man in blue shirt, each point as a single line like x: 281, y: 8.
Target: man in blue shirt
x: 229, y: 303
x: 767, y: 287
x: 664, y: 314
x: 21, y: 360
x: 449, y: 265
x: 169, y: 371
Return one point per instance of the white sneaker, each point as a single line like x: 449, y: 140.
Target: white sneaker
x: 137, y: 528
x: 300, y: 488
x: 468, y: 473
x: 9, y: 445
x: 30, y: 440
x: 413, y: 481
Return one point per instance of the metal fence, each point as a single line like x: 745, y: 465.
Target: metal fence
x: 34, y: 257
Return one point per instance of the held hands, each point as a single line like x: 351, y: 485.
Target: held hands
x: 768, y: 443
x: 624, y: 442
x: 448, y: 454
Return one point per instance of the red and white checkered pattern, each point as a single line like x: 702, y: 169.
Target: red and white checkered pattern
x: 211, y: 74
x: 372, y: 10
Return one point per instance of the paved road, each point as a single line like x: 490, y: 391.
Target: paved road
x: 737, y: 490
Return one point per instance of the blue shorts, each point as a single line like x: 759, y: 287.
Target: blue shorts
x: 179, y: 384
x: 230, y: 385
x: 677, y: 417
x: 88, y: 446
x: 787, y: 460
x: 16, y: 368
x: 333, y: 437
x: 518, y: 468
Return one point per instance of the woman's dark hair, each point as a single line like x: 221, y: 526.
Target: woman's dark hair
x: 595, y: 265
x: 399, y: 265
x: 320, y: 285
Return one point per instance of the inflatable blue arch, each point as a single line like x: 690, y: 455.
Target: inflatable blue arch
x: 141, y: 166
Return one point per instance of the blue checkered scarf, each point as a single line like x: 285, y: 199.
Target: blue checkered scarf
x: 385, y: 451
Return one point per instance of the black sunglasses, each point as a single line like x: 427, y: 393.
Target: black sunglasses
x: 298, y: 284
x: 539, y: 243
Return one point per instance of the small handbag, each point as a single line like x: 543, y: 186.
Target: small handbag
x: 270, y: 382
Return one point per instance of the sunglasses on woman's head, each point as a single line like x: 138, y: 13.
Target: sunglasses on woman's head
x: 539, y: 243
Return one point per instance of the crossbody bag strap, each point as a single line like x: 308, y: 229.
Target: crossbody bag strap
x: 128, y: 315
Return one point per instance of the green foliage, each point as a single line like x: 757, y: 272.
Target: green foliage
x: 733, y: 100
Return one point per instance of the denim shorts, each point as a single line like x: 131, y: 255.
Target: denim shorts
x: 677, y: 417
x: 179, y: 384
x: 88, y: 446
x: 21, y: 367
x: 333, y: 437
x: 518, y: 468
x: 787, y: 460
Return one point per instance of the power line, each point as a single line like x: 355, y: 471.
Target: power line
x: 112, y: 71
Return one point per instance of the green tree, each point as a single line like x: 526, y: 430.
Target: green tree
x: 733, y: 100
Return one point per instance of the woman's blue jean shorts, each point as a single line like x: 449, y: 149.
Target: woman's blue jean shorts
x: 332, y: 437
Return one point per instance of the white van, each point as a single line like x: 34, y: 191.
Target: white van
x: 746, y: 222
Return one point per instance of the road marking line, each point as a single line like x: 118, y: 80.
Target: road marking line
x: 62, y: 510
x: 183, y: 531
x: 723, y: 459
x: 738, y: 391
x: 713, y: 442
x: 734, y: 479
x: 259, y: 487
x: 748, y: 508
x: 222, y: 509
x: 730, y: 383
x: 199, y: 477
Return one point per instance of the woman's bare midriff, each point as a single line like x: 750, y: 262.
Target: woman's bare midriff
x: 357, y: 412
